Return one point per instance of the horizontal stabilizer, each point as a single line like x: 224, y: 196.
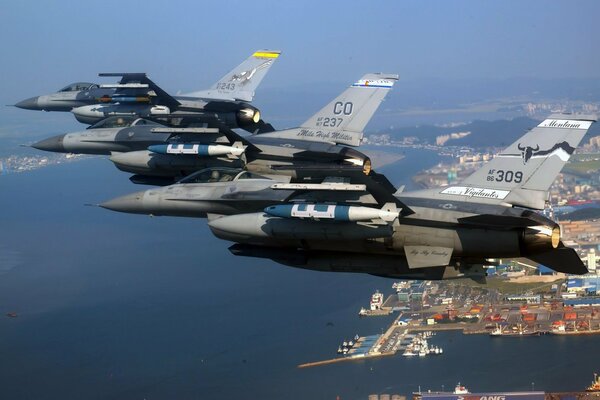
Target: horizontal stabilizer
x: 563, y: 259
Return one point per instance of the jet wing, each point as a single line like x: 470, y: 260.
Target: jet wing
x: 377, y: 185
x: 562, y: 259
x: 504, y: 220
x: 228, y: 133
x: 139, y: 81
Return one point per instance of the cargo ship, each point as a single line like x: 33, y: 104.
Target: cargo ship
x: 592, y: 392
x: 466, y: 395
x: 516, y: 331
x: 580, y: 327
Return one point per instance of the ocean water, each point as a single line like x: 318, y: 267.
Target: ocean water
x: 118, y: 306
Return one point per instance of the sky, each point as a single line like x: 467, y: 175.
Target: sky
x: 187, y: 45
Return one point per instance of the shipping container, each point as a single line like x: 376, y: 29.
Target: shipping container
x: 528, y: 317
x: 570, y: 316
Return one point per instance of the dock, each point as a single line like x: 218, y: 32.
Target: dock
x: 392, y: 341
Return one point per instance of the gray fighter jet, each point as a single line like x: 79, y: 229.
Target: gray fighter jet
x: 359, y: 223
x: 225, y: 103
x: 304, y: 152
x: 229, y: 191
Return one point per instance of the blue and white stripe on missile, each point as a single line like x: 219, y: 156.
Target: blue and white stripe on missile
x: 183, y: 148
x: 203, y: 150
x: 332, y: 212
x: 313, y: 211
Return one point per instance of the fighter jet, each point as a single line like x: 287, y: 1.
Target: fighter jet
x: 355, y: 222
x: 229, y: 191
x: 225, y: 103
x: 305, y: 152
x: 449, y: 232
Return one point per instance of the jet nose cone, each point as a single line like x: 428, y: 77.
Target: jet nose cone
x: 54, y: 144
x: 131, y: 203
x: 29, y: 104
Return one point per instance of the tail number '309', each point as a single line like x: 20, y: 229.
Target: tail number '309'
x: 508, y: 176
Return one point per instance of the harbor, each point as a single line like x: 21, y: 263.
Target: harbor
x: 424, y: 308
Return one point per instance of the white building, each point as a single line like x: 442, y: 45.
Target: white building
x: 591, y: 261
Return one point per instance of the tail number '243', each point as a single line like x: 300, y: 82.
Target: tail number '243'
x: 501, y: 175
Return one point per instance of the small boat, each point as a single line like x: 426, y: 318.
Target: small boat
x: 595, y: 386
x: 460, y: 389
x: 340, y: 350
x: 408, y: 353
x: 12, y: 314
x: 376, y: 301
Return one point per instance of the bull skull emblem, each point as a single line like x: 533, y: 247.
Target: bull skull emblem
x: 527, y: 152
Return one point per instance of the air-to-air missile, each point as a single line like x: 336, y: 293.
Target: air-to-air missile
x: 226, y: 103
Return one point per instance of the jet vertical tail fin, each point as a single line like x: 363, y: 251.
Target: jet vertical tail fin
x: 241, y: 82
x: 522, y: 173
x: 353, y: 109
